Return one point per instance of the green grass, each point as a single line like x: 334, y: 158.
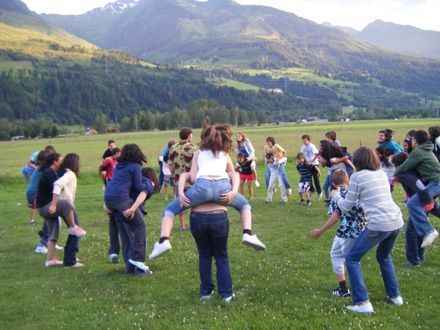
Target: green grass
x: 234, y: 84
x: 285, y: 287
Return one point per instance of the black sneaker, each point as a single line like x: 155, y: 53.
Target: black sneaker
x: 339, y: 293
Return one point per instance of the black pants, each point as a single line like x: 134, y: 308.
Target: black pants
x: 131, y: 231
x: 315, y: 184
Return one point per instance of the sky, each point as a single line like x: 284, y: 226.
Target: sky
x: 423, y: 14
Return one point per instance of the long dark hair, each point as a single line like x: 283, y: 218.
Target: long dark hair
x: 384, y: 156
x: 131, y: 153
x: 71, y: 162
x: 388, y: 133
x: 328, y: 151
x: 149, y: 173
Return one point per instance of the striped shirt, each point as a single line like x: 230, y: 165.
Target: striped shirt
x: 372, y: 190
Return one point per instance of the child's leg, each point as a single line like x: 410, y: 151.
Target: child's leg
x: 240, y: 188
x: 412, y: 182
x: 182, y: 221
x: 339, y: 249
x: 283, y: 191
x: 51, y: 244
x: 284, y: 176
x: 267, y: 177
x: 251, y: 189
x: 270, y: 187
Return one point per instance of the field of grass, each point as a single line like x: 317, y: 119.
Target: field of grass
x: 286, y: 286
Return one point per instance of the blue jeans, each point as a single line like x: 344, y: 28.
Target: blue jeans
x: 205, y: 190
x: 283, y: 176
x: 131, y: 231
x: 210, y: 231
x: 72, y: 245
x: 417, y: 213
x: 415, y: 254
x: 160, y: 173
x: 368, y: 239
x: 327, y: 184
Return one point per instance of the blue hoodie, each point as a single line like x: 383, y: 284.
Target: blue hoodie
x: 127, y: 180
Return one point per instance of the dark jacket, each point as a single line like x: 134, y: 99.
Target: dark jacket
x: 423, y: 161
x: 127, y: 180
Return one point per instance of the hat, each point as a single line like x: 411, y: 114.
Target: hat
x: 34, y: 157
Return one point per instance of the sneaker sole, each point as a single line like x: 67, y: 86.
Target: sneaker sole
x: 256, y: 247
x: 150, y: 257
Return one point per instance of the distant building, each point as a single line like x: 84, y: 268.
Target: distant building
x: 275, y: 91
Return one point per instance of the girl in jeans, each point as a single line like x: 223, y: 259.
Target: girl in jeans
x: 127, y: 181
x: 210, y: 228
x: 209, y: 169
x: 369, y: 186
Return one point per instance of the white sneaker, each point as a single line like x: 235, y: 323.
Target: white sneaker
x: 365, y: 308
x: 53, y: 262
x: 396, y: 301
x: 160, y: 248
x: 229, y: 299
x: 253, y: 241
x: 58, y: 248
x: 76, y: 265
x: 113, y: 258
x: 77, y: 231
x: 319, y: 196
x: 40, y: 249
x: 139, y: 264
x: 429, y: 238
x: 208, y: 296
x: 289, y: 192
x: 257, y: 184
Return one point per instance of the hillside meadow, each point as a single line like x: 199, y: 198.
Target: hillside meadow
x: 288, y: 286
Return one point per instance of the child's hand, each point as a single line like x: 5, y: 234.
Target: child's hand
x: 52, y: 208
x: 229, y: 197
x: 129, y: 213
x: 184, y: 201
x: 315, y: 233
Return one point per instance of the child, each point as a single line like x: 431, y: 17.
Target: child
x: 386, y: 165
x: 166, y: 172
x: 244, y: 168
x: 245, y: 147
x: 209, y: 170
x: 274, y: 167
x: 305, y: 181
x: 108, y: 165
x: 350, y: 226
x: 27, y: 172
x: 280, y: 156
x: 370, y: 188
x: 311, y: 154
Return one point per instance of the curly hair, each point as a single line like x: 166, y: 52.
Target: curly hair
x: 217, y: 138
x: 131, y: 153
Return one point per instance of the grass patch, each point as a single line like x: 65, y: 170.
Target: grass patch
x: 287, y: 286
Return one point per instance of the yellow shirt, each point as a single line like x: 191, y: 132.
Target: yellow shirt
x: 277, y: 150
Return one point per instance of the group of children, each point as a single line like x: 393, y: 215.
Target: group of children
x: 362, y: 203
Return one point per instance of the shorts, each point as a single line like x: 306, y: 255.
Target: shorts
x: 340, y: 248
x: 247, y: 177
x: 167, y: 181
x: 303, y: 187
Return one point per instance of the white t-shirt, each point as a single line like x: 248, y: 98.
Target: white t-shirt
x: 309, y: 152
x: 212, y: 165
x: 166, y: 169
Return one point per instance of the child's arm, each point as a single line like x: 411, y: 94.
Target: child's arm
x: 194, y: 168
x: 235, y: 182
x: 315, y: 233
x: 129, y: 213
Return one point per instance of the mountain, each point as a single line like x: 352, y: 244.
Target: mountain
x: 346, y: 29
x: 402, y: 38
x: 222, y: 33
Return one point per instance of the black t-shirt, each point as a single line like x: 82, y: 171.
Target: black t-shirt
x: 45, y: 187
x: 246, y: 168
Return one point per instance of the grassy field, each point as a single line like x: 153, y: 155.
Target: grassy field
x: 286, y: 286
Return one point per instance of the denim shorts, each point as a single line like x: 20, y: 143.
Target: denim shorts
x: 205, y: 190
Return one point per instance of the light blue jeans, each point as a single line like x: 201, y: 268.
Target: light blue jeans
x: 368, y: 239
x: 417, y: 213
x: 282, y: 173
x: 204, y: 191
